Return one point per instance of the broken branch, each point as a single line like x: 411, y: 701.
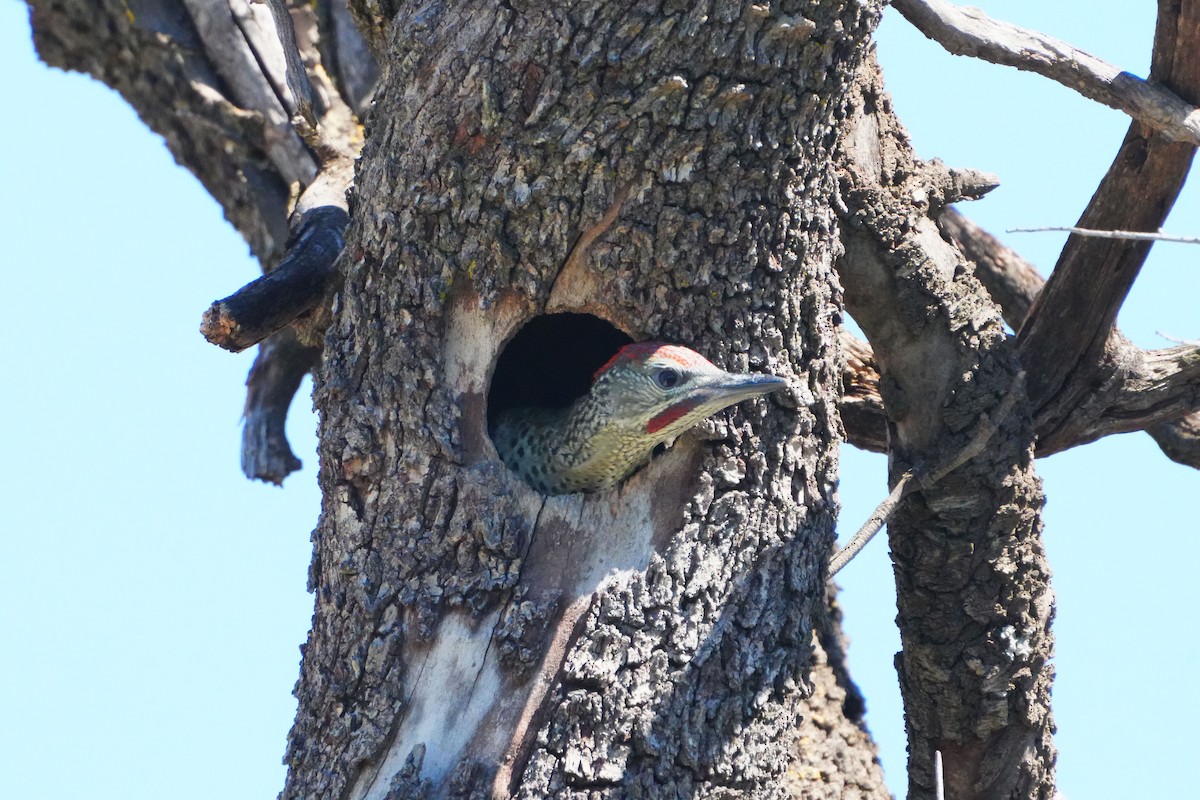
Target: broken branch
x: 1068, y: 342
x: 295, y: 287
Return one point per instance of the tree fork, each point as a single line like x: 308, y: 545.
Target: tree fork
x: 1014, y: 284
x: 1153, y: 385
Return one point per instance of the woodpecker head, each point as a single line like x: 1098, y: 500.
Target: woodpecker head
x: 658, y: 391
x: 646, y: 395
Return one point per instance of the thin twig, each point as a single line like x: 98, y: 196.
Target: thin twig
x: 1177, y: 340
x: 1139, y: 236
x: 883, y: 512
x: 988, y: 425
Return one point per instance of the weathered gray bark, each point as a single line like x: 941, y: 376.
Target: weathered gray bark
x: 972, y: 581
x: 1152, y: 385
x: 669, y: 171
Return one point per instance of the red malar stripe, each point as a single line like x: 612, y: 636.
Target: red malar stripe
x: 670, y: 415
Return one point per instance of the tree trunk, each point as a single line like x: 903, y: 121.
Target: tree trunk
x: 538, y: 185
x: 667, y: 171
x: 972, y: 580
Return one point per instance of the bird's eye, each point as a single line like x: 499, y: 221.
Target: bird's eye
x: 667, y: 378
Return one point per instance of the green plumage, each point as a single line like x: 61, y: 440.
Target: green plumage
x: 645, y: 396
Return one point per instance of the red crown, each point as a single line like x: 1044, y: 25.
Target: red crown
x: 639, y: 351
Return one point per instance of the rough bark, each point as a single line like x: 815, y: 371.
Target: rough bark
x: 972, y: 580
x: 667, y: 169
x: 526, y: 160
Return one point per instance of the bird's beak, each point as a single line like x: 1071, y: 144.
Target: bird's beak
x: 733, y: 388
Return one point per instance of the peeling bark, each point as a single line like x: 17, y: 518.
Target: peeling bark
x: 861, y: 408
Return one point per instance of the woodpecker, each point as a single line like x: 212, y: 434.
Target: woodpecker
x: 646, y: 395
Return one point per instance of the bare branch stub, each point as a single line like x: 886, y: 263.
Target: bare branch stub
x: 1180, y: 439
x: 292, y: 289
x: 318, y: 220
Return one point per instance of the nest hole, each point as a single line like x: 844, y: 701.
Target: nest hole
x: 550, y: 362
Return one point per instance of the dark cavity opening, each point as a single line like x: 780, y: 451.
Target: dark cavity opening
x: 550, y: 362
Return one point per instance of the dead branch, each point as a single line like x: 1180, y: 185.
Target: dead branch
x: 879, y: 517
x: 970, y: 32
x: 1067, y: 342
x: 297, y: 78
x: 245, y: 50
x: 300, y: 282
x: 1014, y: 284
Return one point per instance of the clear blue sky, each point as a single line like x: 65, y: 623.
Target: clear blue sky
x: 153, y: 600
